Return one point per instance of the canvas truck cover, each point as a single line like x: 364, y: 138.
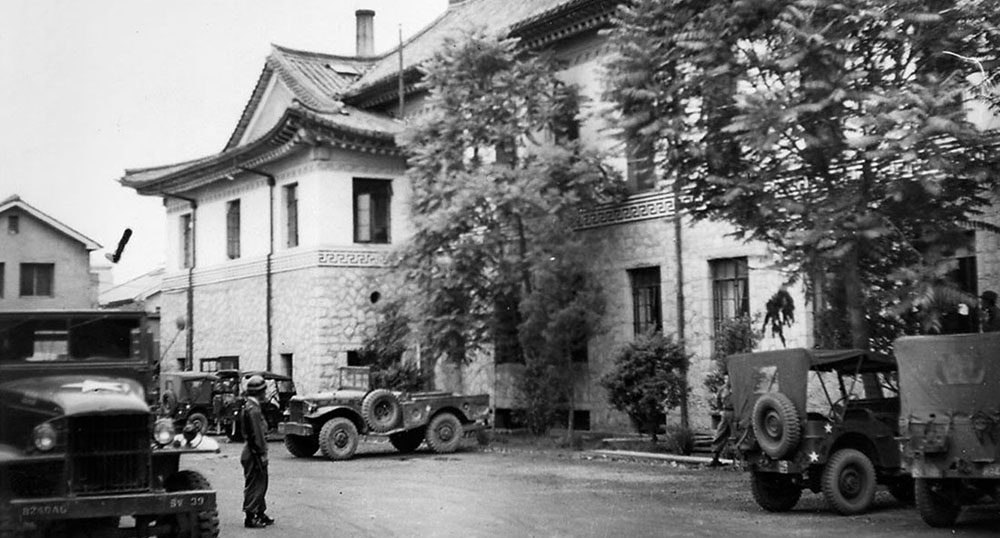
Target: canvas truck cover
x: 786, y: 370
x: 956, y: 375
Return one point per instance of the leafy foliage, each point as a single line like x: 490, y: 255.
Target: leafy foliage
x: 836, y: 132
x: 647, y: 379
x: 780, y: 313
x: 384, y: 352
x: 735, y: 335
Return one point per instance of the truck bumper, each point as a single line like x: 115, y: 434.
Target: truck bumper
x: 295, y: 428
x: 25, y: 510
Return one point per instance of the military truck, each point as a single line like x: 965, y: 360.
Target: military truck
x: 821, y: 420
x: 950, y: 421
x: 332, y: 422
x: 81, y: 453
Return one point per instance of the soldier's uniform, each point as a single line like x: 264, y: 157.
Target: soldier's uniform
x: 254, y: 457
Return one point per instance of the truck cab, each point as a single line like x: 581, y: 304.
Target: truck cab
x: 80, y: 447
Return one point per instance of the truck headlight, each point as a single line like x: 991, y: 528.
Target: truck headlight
x: 44, y: 437
x: 163, y: 431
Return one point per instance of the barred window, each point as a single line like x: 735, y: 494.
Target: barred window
x: 730, y: 289
x: 233, y: 229
x: 647, y: 310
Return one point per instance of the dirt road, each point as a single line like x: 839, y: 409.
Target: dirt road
x: 494, y: 492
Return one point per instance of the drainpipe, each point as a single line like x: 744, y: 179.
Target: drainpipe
x: 190, y: 282
x: 268, y: 308
x: 679, y: 256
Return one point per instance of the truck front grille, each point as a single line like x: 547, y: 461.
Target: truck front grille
x: 296, y: 409
x: 109, y: 453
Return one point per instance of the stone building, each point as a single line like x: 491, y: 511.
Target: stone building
x: 277, y: 244
x: 44, y: 264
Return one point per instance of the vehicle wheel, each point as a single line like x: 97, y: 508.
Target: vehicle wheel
x: 901, y: 489
x: 207, y: 521
x: 381, y: 410
x: 407, y: 441
x: 234, y: 432
x: 849, y: 481
x: 338, y: 439
x: 936, y: 501
x: 774, y: 492
x: 776, y: 424
x: 199, y: 421
x: 301, y: 446
x: 444, y: 433
x: 169, y: 403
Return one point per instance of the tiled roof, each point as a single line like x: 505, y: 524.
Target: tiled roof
x: 139, y: 288
x: 344, y: 126
x: 500, y: 16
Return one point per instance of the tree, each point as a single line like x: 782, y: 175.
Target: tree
x: 384, y: 350
x: 836, y: 132
x: 497, y: 177
x: 647, y: 379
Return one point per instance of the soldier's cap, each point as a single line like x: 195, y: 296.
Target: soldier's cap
x: 255, y: 384
x: 989, y: 295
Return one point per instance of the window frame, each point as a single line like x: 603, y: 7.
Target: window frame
x: 646, y: 286
x: 379, y: 194
x: 187, y: 240
x: 291, y: 195
x: 13, y: 224
x: 640, y: 168
x: 738, y: 283
x: 34, y: 290
x: 233, y: 226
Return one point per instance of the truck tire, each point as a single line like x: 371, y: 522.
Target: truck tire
x: 168, y: 403
x: 301, y: 446
x: 776, y: 424
x: 381, y: 411
x: 407, y: 441
x: 936, y: 502
x: 199, y: 421
x: 338, y: 439
x: 444, y: 433
x: 207, y: 521
x: 849, y: 482
x: 774, y: 492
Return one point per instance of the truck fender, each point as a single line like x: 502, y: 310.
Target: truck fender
x: 323, y: 414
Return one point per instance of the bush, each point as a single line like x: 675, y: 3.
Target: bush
x: 679, y: 440
x: 648, y: 378
x: 735, y: 335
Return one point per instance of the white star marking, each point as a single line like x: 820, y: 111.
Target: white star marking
x: 813, y: 457
x: 828, y: 428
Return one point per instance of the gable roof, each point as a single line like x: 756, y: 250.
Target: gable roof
x: 135, y: 290
x: 315, y: 79
x: 16, y: 201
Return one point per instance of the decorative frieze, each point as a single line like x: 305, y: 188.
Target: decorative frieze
x: 640, y: 207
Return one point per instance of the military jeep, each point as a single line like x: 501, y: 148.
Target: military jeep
x: 821, y: 420
x: 950, y: 421
x: 81, y: 453
x: 331, y: 422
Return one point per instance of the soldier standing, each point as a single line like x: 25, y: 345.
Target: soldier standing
x: 254, y: 457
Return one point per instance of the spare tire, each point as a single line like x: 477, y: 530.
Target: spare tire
x: 776, y: 424
x: 169, y: 403
x: 381, y: 410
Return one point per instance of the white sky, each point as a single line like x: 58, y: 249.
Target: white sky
x: 94, y: 87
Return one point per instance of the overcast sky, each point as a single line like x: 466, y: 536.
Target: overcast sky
x: 94, y: 87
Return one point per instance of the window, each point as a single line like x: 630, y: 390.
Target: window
x: 356, y: 358
x: 36, y: 279
x: 646, y: 308
x: 2, y: 278
x: 292, y: 215
x: 181, y: 364
x: 286, y: 364
x: 187, y: 241
x: 220, y: 363
x: 233, y: 229
x: 730, y: 289
x: 13, y: 224
x: 371, y: 210
x: 640, y: 172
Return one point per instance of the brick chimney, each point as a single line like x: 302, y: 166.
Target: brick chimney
x: 366, y: 32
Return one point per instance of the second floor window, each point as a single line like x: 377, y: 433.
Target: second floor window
x: 647, y: 311
x: 187, y: 241
x: 371, y: 210
x: 640, y: 172
x: 13, y: 224
x: 233, y: 229
x: 292, y: 215
x: 730, y: 289
x: 36, y: 279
